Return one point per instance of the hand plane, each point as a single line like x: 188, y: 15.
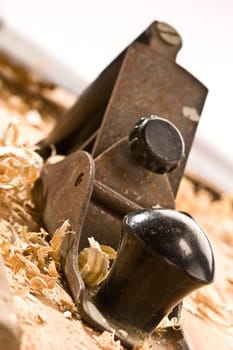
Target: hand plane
x: 126, y: 141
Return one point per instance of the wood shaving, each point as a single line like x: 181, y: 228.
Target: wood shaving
x: 174, y: 322
x: 111, y: 253
x: 19, y: 168
x: 56, y: 241
x: 93, y: 263
x: 14, y: 107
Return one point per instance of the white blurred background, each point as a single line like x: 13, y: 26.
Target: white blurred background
x: 86, y: 35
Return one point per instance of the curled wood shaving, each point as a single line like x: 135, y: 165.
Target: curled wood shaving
x: 174, y: 322
x: 19, y: 169
x: 31, y: 267
x: 27, y: 258
x: 94, y: 262
x: 54, y: 158
x: 56, y: 241
x: 14, y: 105
x: 111, y: 253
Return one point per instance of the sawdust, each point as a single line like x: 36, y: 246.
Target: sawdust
x: 43, y: 305
x: 213, y: 304
x: 19, y: 169
x: 33, y: 126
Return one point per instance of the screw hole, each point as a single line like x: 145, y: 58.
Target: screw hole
x: 79, y: 179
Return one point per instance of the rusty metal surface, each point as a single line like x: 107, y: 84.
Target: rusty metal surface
x: 63, y: 192
x: 113, y: 200
x: 121, y: 186
x: 149, y: 84
x: 103, y: 224
x: 117, y: 169
x: 84, y: 118
x: 10, y: 332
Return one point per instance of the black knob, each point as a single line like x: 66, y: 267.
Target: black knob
x: 163, y: 256
x: 157, y: 144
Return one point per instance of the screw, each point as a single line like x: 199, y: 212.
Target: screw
x: 168, y: 34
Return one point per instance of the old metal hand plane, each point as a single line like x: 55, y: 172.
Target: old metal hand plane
x: 127, y: 140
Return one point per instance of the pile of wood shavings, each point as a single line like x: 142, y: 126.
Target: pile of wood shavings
x: 213, y: 304
x: 47, y: 314
x: 19, y: 169
x: 32, y: 262
x: 33, y: 126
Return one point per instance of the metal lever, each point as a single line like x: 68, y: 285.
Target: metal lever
x: 63, y: 192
